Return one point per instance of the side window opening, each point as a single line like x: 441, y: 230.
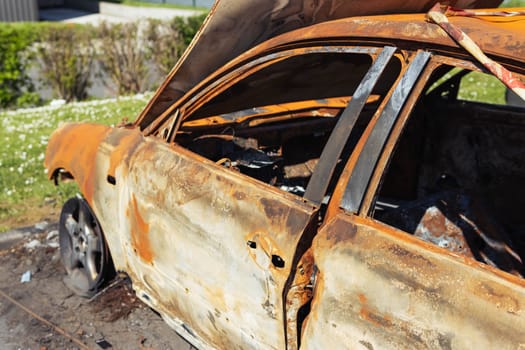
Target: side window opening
x: 464, y: 85
x: 456, y: 176
x: 297, y: 78
x: 274, y: 124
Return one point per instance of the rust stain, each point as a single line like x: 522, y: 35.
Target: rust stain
x: 366, y: 344
x: 373, y: 316
x: 318, y: 293
x: 410, y: 257
x: 274, y: 209
x: 139, y: 232
x: 298, y: 295
x: 239, y: 195
x: 340, y: 231
x: 497, y: 296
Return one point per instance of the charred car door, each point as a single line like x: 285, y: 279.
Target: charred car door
x: 219, y: 217
x: 379, y: 287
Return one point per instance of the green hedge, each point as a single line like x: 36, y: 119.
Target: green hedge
x: 64, y: 55
x: 15, y: 86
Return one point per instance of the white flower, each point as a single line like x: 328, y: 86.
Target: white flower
x: 57, y: 102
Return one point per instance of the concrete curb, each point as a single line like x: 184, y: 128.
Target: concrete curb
x: 134, y: 12
x: 11, y: 237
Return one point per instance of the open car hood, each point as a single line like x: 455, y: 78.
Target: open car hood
x: 234, y: 26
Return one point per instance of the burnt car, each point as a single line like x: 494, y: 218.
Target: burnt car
x: 313, y: 182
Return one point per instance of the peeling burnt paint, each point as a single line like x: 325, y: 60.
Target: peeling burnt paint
x: 341, y: 232
x: 400, y: 293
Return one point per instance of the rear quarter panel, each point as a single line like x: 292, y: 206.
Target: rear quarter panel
x: 378, y: 288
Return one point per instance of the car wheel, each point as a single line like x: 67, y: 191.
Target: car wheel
x: 83, y: 250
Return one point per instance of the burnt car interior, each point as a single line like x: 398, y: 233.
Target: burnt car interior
x: 456, y: 177
x: 274, y: 124
x: 453, y: 180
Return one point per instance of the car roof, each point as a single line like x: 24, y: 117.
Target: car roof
x: 496, y: 35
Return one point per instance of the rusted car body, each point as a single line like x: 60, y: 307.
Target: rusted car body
x: 327, y: 188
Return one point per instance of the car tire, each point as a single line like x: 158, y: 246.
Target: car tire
x: 83, y: 249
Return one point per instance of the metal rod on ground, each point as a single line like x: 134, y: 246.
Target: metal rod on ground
x: 46, y: 322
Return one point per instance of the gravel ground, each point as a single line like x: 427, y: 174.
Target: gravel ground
x: 114, y: 318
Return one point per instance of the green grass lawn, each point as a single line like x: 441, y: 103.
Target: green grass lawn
x: 513, y: 3
x: 482, y: 87
x: 476, y: 87
x: 25, y: 192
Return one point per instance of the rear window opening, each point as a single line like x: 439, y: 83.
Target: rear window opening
x: 456, y: 179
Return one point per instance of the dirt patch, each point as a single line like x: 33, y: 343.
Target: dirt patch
x: 27, y: 213
x: 116, y: 301
x: 114, y: 318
